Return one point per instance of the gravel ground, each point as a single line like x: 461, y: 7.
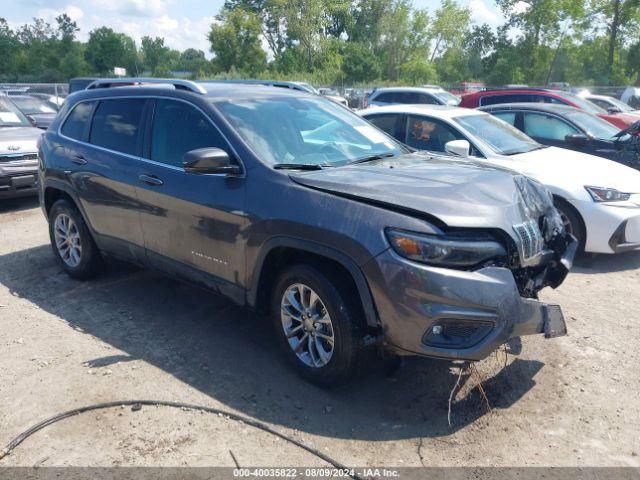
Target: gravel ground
x: 134, y: 334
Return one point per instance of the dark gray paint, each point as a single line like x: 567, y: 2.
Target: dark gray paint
x: 217, y: 230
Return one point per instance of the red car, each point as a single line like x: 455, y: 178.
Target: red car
x: 541, y: 95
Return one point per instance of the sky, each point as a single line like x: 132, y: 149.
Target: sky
x: 183, y: 23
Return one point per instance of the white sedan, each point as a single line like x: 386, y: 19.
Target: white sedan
x: 599, y: 199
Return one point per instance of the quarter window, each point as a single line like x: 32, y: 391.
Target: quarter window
x: 387, y: 123
x: 76, y: 122
x: 179, y: 128
x: 116, y: 124
x: 539, y: 125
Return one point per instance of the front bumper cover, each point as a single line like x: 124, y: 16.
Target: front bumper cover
x: 485, y: 305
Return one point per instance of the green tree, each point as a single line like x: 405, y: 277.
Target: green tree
x: 11, y: 50
x: 235, y: 42
x: 194, y: 61
x: 107, y: 49
x: 155, y: 55
x: 450, y: 26
x: 360, y: 63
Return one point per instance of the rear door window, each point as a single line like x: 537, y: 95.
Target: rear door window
x: 539, y: 125
x: 76, y: 123
x: 384, y: 97
x: 407, y: 97
x: 178, y: 128
x: 116, y: 125
x: 507, y: 98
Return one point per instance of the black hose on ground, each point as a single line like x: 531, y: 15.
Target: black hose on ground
x: 13, y: 444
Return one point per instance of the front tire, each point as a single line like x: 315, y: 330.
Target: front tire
x: 72, y: 244
x: 318, y: 326
x: 573, y: 224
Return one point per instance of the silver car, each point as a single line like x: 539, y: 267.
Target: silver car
x: 18, y: 152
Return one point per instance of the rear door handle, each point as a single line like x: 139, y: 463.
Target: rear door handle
x: 79, y: 159
x: 151, y: 180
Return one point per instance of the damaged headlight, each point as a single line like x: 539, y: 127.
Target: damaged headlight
x: 600, y: 194
x: 444, y: 251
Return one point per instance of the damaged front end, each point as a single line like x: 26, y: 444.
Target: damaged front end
x: 544, y: 251
x: 627, y: 144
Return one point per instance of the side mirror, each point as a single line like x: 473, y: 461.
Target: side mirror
x: 458, y: 147
x: 207, y: 161
x: 576, y: 139
x: 613, y: 110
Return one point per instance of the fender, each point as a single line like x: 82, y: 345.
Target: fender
x: 64, y: 187
x: 347, y: 262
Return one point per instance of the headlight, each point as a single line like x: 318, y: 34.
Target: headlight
x: 444, y: 251
x: 607, y: 194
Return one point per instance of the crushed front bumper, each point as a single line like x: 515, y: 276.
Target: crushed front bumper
x: 453, y: 314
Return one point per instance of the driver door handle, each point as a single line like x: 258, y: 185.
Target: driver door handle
x: 151, y: 180
x: 79, y: 159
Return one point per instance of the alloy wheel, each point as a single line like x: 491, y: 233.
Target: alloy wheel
x: 67, y: 238
x: 307, y: 325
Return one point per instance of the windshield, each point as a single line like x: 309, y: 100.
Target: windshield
x: 583, y: 103
x: 305, y: 131
x: 308, y: 88
x: 614, y: 102
x: 10, y: 116
x: 30, y: 105
x: 594, y: 126
x: 447, y: 98
x: 501, y: 137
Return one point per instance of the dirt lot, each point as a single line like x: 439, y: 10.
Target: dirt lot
x: 135, y: 334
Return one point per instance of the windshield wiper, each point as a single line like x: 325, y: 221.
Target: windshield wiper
x: 297, y: 166
x: 370, y: 158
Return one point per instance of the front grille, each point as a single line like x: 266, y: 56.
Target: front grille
x: 18, y: 158
x: 531, y: 243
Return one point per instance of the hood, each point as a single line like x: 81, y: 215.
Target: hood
x: 549, y: 164
x: 24, y: 138
x: 620, y: 120
x: 457, y: 193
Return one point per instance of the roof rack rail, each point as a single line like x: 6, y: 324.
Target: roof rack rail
x: 178, y: 84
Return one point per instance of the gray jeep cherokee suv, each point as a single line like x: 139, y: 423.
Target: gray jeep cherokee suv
x: 293, y: 205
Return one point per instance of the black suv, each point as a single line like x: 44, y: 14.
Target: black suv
x: 293, y: 205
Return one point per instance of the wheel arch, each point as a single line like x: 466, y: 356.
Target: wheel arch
x: 567, y: 204
x: 55, y: 190
x: 278, y: 252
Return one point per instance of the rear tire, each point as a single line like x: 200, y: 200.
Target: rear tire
x: 573, y: 224
x: 326, y: 329
x: 72, y: 244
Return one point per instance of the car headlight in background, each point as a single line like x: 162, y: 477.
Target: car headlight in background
x: 444, y: 251
x: 600, y: 194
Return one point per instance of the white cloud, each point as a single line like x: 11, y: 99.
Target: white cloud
x: 179, y: 33
x: 481, y: 13
x: 50, y: 14
x: 133, y: 8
